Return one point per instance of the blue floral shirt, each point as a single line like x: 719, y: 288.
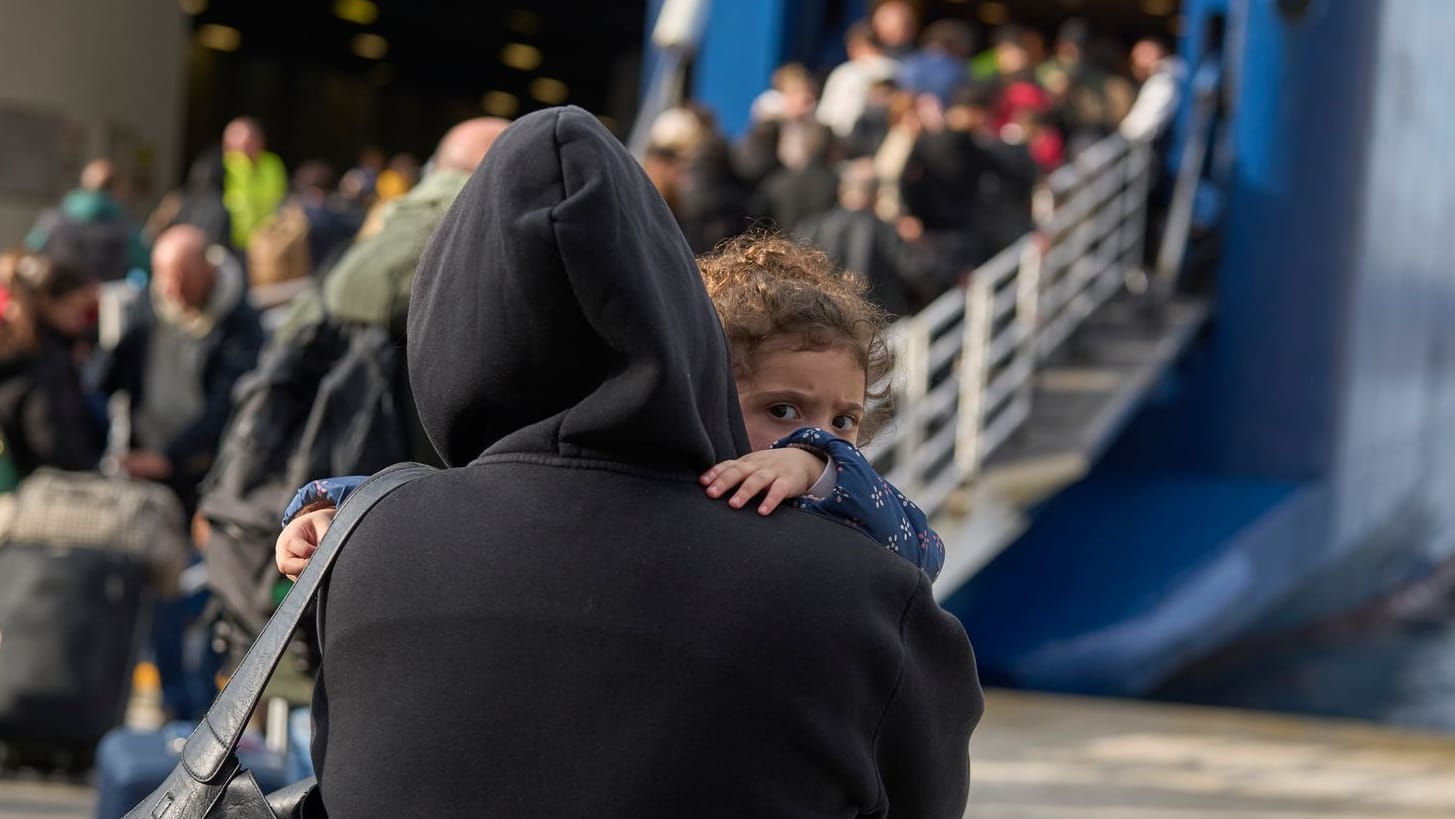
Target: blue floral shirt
x: 862, y: 498
x: 859, y: 497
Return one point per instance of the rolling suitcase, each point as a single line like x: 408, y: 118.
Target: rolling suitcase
x: 81, y: 558
x: 71, y: 625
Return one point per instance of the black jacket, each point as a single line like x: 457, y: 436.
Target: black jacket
x: 789, y: 197
x: 710, y: 198
x: 861, y: 242
x: 942, y: 178
x: 564, y: 625
x: 44, y: 416
x: 202, y: 204
x: 229, y: 350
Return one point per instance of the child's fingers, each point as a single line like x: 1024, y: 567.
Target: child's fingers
x: 315, y: 525
x: 292, y: 567
x: 299, y: 547
x: 732, y: 473
x: 300, y: 540
x: 755, y: 483
x: 776, y: 493
x: 711, y: 475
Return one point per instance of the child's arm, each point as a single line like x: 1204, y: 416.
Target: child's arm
x: 306, y: 520
x: 865, y: 499
x: 777, y: 474
x: 322, y: 494
x: 300, y: 539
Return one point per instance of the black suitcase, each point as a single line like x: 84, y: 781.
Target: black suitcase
x: 72, y: 623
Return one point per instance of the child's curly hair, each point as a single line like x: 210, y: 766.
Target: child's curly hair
x: 766, y: 286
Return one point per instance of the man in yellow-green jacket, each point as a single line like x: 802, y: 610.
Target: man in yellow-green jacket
x: 256, y: 180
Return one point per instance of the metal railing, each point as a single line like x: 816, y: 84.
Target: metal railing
x: 968, y: 361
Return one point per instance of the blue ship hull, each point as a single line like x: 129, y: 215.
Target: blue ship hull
x: 1298, y: 463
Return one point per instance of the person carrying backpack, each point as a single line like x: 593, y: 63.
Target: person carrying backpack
x: 90, y: 228
x: 330, y: 394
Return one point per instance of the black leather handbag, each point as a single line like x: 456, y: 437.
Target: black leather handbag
x: 208, y: 782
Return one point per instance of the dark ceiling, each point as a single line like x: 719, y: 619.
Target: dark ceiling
x: 294, y: 63
x: 446, y: 44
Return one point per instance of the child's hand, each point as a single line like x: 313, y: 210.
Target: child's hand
x: 299, y: 541
x: 784, y: 473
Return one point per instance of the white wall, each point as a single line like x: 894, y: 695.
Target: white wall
x: 111, y: 67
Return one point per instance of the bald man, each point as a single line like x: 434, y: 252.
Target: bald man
x: 180, y: 362
x: 90, y: 228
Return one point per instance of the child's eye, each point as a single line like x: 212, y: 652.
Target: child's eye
x: 784, y: 412
x: 845, y: 422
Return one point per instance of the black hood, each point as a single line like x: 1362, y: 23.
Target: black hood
x: 207, y: 174
x: 558, y: 310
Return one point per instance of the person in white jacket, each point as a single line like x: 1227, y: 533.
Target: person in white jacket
x: 847, y: 88
x: 1161, y: 75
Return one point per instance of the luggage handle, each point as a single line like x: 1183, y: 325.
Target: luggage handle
x: 211, y: 744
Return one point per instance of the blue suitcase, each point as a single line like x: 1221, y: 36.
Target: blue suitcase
x: 130, y: 764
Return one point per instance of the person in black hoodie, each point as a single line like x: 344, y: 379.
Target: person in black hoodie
x: 858, y: 240
x: 48, y: 309
x: 591, y: 636
x: 802, y: 188
x: 200, y: 204
x: 970, y: 192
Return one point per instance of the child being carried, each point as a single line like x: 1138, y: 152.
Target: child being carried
x: 810, y: 358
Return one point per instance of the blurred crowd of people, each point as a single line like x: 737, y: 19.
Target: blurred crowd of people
x: 908, y: 163
x: 122, y: 340
x: 197, y: 270
x: 916, y: 158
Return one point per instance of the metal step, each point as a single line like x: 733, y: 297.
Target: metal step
x: 1087, y: 393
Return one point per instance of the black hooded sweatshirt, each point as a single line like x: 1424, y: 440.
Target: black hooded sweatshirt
x: 202, y: 205
x: 565, y: 625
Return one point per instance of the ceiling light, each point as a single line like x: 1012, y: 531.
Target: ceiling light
x: 362, y: 12
x: 549, y: 91
x: 370, y: 46
x: 219, y: 38
x: 500, y: 104
x: 521, y: 57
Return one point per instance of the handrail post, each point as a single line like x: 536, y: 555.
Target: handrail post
x: 915, y: 361
x: 974, y: 374
x: 1139, y: 176
x: 1178, y: 227
x: 1028, y: 312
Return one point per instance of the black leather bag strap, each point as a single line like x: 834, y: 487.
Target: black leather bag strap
x: 211, y: 745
